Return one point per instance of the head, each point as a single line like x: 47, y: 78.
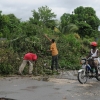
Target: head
x: 35, y: 57
x: 93, y: 44
x: 31, y: 51
x: 53, y: 40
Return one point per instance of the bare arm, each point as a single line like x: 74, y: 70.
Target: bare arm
x: 47, y: 37
x: 49, y: 40
x: 98, y: 53
x: 89, y: 55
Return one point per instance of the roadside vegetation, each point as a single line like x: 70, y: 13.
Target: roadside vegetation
x: 73, y: 34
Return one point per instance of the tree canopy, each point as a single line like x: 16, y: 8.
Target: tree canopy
x: 85, y: 19
x: 73, y: 32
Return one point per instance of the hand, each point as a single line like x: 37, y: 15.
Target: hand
x: 92, y: 58
x: 48, y: 50
x: 45, y: 35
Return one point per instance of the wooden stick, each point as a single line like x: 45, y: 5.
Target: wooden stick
x: 47, y: 37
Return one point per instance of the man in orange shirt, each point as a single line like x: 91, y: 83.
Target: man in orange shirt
x: 54, y: 52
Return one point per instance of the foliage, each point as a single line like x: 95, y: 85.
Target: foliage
x: 44, y: 16
x: 84, y: 18
x: 72, y: 33
x: 66, y: 26
x: 68, y: 45
x: 87, y: 21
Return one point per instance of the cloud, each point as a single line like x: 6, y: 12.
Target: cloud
x: 22, y: 8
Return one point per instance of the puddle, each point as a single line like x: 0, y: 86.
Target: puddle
x: 31, y: 88
x: 57, y: 88
x: 6, y: 99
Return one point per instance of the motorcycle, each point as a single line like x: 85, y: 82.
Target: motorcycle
x: 86, y: 72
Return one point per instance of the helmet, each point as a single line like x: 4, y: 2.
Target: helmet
x: 93, y: 44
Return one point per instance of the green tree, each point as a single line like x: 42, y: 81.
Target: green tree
x: 66, y: 26
x: 10, y: 26
x: 65, y: 20
x: 14, y: 26
x: 87, y: 21
x: 44, y: 16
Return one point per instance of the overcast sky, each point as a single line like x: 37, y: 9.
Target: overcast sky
x: 22, y: 8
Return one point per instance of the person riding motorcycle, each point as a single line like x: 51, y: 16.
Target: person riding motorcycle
x: 93, y: 55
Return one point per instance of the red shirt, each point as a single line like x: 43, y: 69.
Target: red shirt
x: 30, y: 56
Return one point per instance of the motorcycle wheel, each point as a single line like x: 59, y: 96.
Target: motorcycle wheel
x: 81, y: 77
x: 98, y: 77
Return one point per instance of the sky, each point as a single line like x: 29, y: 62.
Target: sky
x: 22, y: 9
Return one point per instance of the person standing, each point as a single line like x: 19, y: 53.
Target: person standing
x: 54, y: 52
x: 28, y: 58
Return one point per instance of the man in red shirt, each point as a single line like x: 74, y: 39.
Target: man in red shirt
x: 28, y: 58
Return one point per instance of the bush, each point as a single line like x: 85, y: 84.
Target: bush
x: 6, y: 69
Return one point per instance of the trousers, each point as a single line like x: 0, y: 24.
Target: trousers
x: 54, y: 62
x: 22, y: 66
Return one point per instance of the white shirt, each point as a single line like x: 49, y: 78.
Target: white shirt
x: 94, y: 54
